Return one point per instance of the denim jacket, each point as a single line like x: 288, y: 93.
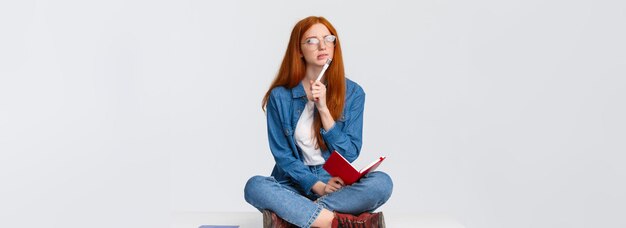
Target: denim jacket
x: 283, y: 110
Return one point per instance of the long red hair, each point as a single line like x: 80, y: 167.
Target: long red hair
x: 293, y: 68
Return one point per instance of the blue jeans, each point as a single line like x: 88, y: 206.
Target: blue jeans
x: 286, y: 201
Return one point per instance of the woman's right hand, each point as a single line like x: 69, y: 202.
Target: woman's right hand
x: 333, y: 184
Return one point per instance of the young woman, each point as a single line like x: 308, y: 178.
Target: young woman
x: 306, y: 121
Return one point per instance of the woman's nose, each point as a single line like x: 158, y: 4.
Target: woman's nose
x: 322, y: 45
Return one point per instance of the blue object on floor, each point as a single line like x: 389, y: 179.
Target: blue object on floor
x: 215, y: 226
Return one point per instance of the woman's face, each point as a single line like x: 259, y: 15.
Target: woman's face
x: 317, y: 45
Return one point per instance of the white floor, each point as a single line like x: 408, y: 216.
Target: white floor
x: 255, y: 219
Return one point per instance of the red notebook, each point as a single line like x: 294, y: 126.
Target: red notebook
x: 338, y: 166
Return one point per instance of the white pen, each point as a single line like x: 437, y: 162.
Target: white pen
x: 324, y: 69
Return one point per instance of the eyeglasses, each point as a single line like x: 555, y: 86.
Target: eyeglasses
x: 313, y: 42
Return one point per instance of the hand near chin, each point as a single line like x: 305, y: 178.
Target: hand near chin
x: 318, y: 91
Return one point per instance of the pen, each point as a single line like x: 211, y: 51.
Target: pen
x: 324, y: 69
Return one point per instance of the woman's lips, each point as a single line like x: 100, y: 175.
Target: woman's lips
x: 322, y: 56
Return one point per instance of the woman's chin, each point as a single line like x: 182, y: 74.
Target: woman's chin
x: 321, y: 62
x: 317, y: 63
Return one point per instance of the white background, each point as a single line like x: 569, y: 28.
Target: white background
x: 497, y: 113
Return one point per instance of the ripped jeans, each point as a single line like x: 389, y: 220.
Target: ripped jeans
x: 283, y: 198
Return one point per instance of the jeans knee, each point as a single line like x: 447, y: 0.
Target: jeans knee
x: 384, y: 185
x: 252, y: 186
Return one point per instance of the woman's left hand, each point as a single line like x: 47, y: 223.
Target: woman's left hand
x: 318, y: 91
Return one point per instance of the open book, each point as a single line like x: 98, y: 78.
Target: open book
x: 338, y: 166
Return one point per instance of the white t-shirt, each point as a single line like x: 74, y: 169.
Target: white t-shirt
x: 304, y: 136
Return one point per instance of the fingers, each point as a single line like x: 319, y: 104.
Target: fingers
x: 318, y: 89
x: 339, y: 180
x: 317, y: 85
x: 314, y: 90
x: 334, y: 184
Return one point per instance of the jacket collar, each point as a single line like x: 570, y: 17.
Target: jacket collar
x: 298, y: 91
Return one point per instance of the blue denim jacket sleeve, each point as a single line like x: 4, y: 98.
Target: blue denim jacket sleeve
x: 284, y: 152
x: 346, y: 135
